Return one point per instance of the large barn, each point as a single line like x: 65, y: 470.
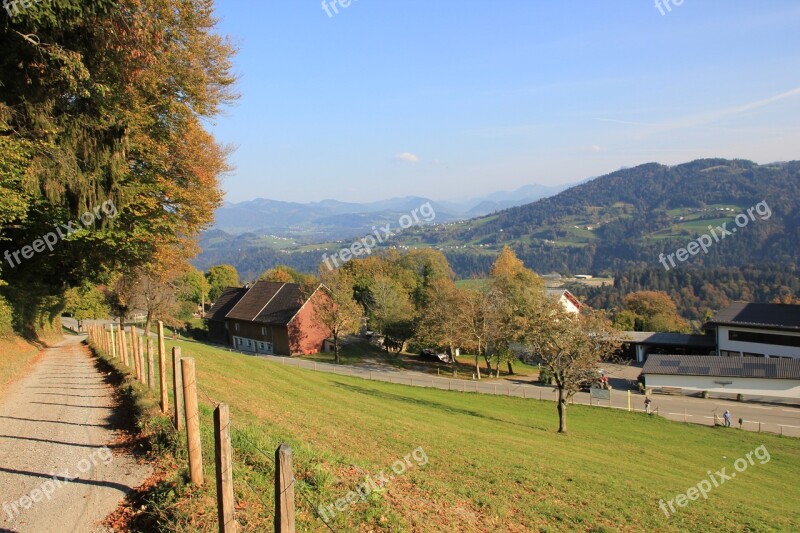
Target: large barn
x: 268, y: 318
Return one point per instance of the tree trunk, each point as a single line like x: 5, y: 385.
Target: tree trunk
x: 336, y: 347
x: 562, y: 411
x: 148, y: 325
x: 478, y: 366
x: 510, y: 367
x: 453, y: 358
x: 488, y: 359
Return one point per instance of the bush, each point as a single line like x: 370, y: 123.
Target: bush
x: 545, y: 377
x: 6, y: 319
x: 704, y: 394
x: 740, y: 397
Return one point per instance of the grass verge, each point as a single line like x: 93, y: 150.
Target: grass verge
x: 15, y: 356
x: 492, y: 463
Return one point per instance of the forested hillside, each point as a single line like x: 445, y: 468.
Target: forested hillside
x: 628, y: 218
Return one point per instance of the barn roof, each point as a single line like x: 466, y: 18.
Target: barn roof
x: 266, y: 302
x: 717, y: 366
x: 229, y: 298
x: 770, y: 316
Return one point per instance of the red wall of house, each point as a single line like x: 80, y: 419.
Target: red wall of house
x: 306, y: 333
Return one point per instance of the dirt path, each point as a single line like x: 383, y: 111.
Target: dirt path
x: 59, y: 471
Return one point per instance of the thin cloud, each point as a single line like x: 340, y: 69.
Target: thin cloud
x: 406, y: 157
x: 704, y: 119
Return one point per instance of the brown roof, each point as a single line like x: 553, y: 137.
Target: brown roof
x: 254, y: 301
x: 268, y: 302
x: 283, y: 306
x: 718, y: 366
x: 229, y: 298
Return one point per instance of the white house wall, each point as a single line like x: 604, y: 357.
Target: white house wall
x: 750, y: 347
x: 783, y: 388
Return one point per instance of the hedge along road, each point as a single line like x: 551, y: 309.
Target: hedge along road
x: 779, y: 419
x: 59, y: 470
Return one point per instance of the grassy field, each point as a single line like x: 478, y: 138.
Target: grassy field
x: 15, y: 354
x: 493, y: 463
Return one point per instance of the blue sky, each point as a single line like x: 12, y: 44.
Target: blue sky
x: 451, y: 100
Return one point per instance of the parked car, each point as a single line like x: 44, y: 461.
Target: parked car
x: 430, y: 355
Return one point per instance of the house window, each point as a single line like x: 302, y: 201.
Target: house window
x: 728, y: 353
x: 748, y: 354
x: 249, y: 343
x: 263, y: 332
x: 763, y: 338
x: 236, y: 326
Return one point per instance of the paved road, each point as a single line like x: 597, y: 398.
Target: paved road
x: 59, y: 470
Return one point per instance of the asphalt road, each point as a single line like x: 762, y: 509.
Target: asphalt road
x: 59, y: 469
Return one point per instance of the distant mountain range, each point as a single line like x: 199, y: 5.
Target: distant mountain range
x: 333, y: 219
x: 620, y: 221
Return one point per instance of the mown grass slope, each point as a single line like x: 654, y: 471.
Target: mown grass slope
x: 494, y: 463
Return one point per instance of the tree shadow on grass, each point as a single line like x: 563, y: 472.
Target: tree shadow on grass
x: 427, y: 403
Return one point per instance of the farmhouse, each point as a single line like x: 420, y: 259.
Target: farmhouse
x: 568, y: 300
x: 752, y: 376
x: 757, y: 330
x: 268, y: 318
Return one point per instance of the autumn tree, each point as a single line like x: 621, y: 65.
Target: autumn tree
x: 570, y: 347
x: 104, y: 102
x: 655, y: 311
x: 86, y: 302
x: 476, y: 315
x: 440, y: 323
x: 515, y: 293
x: 219, y: 278
x: 339, y: 312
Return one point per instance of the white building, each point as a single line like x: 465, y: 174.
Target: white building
x: 758, y: 330
x: 749, y: 376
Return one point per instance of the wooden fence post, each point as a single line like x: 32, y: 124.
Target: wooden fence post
x: 113, y: 343
x: 177, y: 384
x: 224, y: 462
x: 143, y: 360
x: 162, y: 365
x: 135, y: 354
x: 151, y: 364
x: 123, y: 350
x: 284, y: 490
x: 192, y: 421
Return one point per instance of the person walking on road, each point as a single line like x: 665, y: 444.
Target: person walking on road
x: 727, y: 417
x: 647, y: 402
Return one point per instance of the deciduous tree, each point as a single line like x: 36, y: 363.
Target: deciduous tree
x: 570, y: 347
